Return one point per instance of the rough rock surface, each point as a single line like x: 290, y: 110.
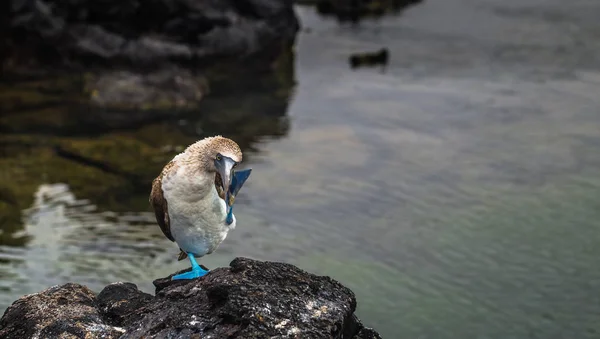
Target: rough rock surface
x: 67, y: 311
x: 145, y: 55
x: 146, y: 33
x: 249, y: 299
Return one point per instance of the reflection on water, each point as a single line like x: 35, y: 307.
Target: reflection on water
x: 71, y: 240
x: 75, y: 179
x: 456, y: 194
x: 60, y: 142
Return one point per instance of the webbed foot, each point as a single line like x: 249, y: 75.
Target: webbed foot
x: 193, y: 274
x: 196, y: 271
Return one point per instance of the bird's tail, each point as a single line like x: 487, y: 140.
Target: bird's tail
x: 182, y: 255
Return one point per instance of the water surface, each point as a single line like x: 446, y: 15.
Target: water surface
x: 456, y: 191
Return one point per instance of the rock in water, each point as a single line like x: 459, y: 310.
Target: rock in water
x: 152, y: 55
x: 249, y: 299
x: 145, y: 33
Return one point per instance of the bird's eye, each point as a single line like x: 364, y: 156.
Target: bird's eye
x: 218, y: 157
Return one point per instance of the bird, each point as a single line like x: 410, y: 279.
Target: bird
x: 193, y: 198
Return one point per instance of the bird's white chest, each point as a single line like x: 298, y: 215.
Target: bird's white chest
x: 196, y: 213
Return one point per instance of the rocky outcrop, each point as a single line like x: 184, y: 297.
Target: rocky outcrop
x: 146, y: 33
x: 145, y: 55
x: 249, y: 299
x: 356, y: 10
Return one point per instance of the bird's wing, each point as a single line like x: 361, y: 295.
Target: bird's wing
x: 160, y: 207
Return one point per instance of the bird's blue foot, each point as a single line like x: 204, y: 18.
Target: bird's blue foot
x: 238, y: 180
x: 196, y: 271
x: 193, y: 274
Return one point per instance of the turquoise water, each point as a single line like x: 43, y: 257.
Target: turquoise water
x: 456, y: 191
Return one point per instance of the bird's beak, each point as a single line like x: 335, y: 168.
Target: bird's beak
x: 225, y: 168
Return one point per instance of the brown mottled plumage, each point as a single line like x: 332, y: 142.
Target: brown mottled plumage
x: 200, y: 154
x: 159, y: 204
x: 207, y: 149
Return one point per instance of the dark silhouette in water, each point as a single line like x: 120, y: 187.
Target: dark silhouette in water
x: 380, y: 57
x: 355, y: 10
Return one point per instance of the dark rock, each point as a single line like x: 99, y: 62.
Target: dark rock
x: 249, y: 299
x: 367, y: 333
x: 145, y: 54
x: 356, y: 10
x: 147, y: 33
x: 67, y: 311
x: 118, y: 301
x: 380, y: 57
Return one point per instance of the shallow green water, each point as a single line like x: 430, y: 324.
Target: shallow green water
x: 457, y: 192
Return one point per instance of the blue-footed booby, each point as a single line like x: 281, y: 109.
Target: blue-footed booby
x: 193, y: 198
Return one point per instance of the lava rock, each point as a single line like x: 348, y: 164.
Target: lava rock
x: 118, y: 301
x: 146, y: 33
x: 67, y: 311
x: 356, y: 10
x: 145, y: 55
x: 249, y: 299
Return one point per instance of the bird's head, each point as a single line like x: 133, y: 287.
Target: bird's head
x: 220, y: 156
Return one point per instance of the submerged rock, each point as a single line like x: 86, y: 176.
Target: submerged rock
x: 380, y: 57
x: 172, y: 88
x: 249, y: 299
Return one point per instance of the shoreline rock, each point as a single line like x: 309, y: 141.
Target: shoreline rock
x: 356, y: 10
x: 140, y: 55
x: 146, y: 34
x: 249, y: 299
